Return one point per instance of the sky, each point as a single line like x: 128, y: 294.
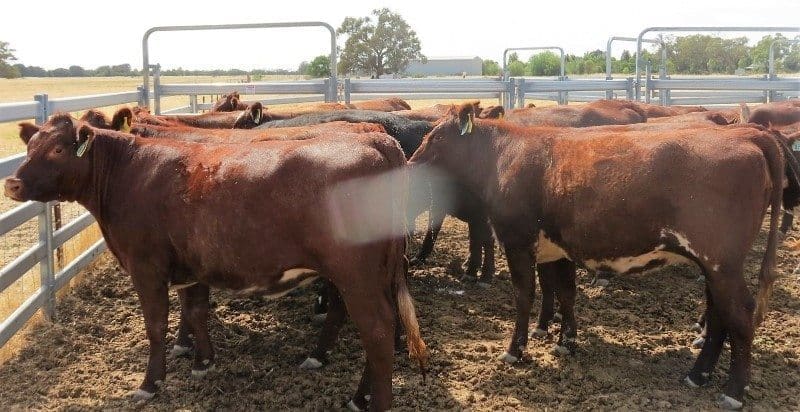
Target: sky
x: 91, y: 33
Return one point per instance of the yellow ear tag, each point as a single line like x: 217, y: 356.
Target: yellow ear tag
x: 467, y: 128
x: 84, y: 147
x: 126, y: 126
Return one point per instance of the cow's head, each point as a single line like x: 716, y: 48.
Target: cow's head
x: 492, y: 112
x: 251, y: 117
x: 58, y: 161
x: 229, y: 103
x: 449, y: 137
x: 121, y: 121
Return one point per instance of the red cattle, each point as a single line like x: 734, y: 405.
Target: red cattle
x: 179, y: 214
x: 229, y: 103
x: 433, y: 113
x: 240, y: 119
x: 597, y: 113
x: 654, y: 110
x: 778, y: 114
x: 382, y: 105
x: 556, y: 196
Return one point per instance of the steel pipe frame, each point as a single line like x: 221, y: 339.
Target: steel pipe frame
x: 146, y: 37
x: 639, y: 40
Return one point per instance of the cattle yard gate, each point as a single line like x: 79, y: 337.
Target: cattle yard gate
x: 510, y: 91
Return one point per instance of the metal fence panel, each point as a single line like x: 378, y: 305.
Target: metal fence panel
x: 301, y: 87
x: 10, y: 112
x: 23, y: 263
x: 19, y: 215
x: 11, y: 325
x: 73, y: 104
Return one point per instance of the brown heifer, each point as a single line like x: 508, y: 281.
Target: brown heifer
x: 597, y: 113
x: 720, y: 117
x: 555, y: 196
x: 281, y: 114
x: 229, y: 103
x: 493, y: 112
x: 777, y: 114
x: 208, y: 227
x: 433, y: 113
x: 240, y: 119
x: 382, y: 105
x: 654, y: 110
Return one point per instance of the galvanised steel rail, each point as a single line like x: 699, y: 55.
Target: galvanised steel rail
x: 331, y: 92
x: 640, y: 39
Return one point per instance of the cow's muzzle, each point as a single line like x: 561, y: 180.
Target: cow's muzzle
x: 13, y: 189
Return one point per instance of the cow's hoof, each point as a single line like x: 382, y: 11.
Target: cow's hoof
x: 557, y: 317
x: 508, y: 358
x: 311, y: 364
x: 352, y: 406
x: 201, y: 373
x: 178, y: 351
x: 415, y: 262
x: 696, y: 328
x: 600, y: 282
x: 728, y: 403
x: 538, y: 333
x: 559, y: 350
x: 690, y: 383
x: 142, y: 395
x: 698, y: 343
x: 318, y: 318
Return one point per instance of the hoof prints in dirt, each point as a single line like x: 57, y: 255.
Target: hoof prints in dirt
x: 633, y: 350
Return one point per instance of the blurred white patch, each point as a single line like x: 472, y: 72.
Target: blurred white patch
x: 375, y: 208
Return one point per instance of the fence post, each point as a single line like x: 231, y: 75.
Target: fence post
x: 193, y: 103
x: 42, y: 111
x: 327, y: 83
x: 563, y: 97
x: 520, y: 92
x: 512, y: 92
x: 47, y: 265
x: 629, y: 88
x: 157, y: 88
x: 142, y: 96
x: 647, y: 89
x: 347, y: 87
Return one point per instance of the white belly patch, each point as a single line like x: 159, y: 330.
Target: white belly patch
x: 641, y: 263
x: 290, y: 280
x: 547, y: 251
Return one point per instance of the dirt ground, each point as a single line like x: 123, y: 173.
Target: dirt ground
x: 634, y: 348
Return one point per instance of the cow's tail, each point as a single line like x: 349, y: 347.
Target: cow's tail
x: 791, y: 195
x: 397, y: 262
x: 774, y: 155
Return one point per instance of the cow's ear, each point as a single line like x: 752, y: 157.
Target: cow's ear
x: 27, y: 130
x: 84, y: 138
x: 122, y: 120
x: 234, y: 101
x: 744, y: 114
x: 255, y: 112
x: 466, y: 115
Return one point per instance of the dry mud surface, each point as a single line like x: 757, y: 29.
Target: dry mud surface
x: 634, y: 348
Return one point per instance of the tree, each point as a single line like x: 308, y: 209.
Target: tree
x: 6, y: 55
x: 76, y: 71
x: 544, y: 64
x: 385, y: 45
x: 516, y: 68
x: 319, y: 67
x: 490, y: 68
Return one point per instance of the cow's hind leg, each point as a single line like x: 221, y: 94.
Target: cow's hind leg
x: 520, y: 263
x: 546, y: 274
x: 154, y: 300
x: 486, y: 240
x: 330, y: 329
x: 183, y: 342
x: 373, y: 314
x: 435, y: 221
x: 197, y: 300
x: 565, y: 272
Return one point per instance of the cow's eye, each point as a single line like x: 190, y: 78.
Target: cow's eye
x: 59, y: 150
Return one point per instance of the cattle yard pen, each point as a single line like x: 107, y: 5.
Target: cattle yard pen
x: 510, y: 91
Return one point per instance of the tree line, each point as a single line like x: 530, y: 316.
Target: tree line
x: 384, y: 43
x: 695, y: 54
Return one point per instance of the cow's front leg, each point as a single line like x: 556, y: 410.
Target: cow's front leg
x: 520, y: 263
x: 154, y: 300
